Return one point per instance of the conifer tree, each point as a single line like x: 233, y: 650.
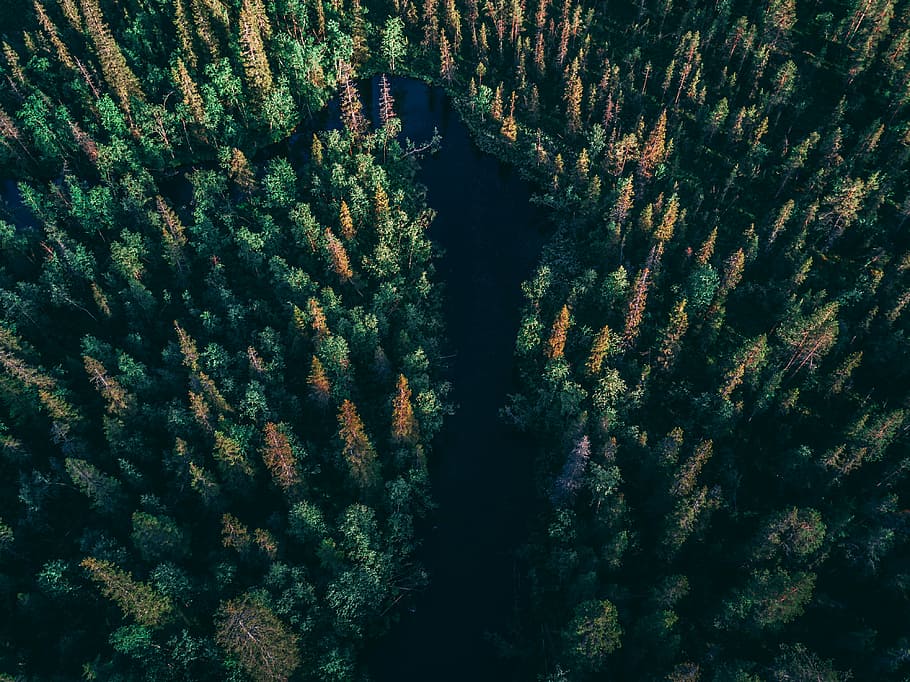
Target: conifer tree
x: 320, y: 388
x: 110, y: 388
x: 557, y: 342
x: 675, y: 330
x: 636, y: 307
x: 117, y: 72
x: 386, y: 101
x: 339, y: 257
x: 357, y: 450
x: 317, y: 319
x: 599, y: 350
x: 257, y: 638
x: 253, y: 24
x: 394, y: 42
x: 279, y: 457
x: 63, y: 53
x: 573, y: 96
x: 189, y: 92
x: 137, y: 600
x: 351, y: 107
x: 184, y: 34
x: 404, y: 425
x: 654, y: 151
x: 446, y: 61
x: 345, y: 221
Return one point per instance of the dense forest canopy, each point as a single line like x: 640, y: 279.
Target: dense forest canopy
x: 220, y: 370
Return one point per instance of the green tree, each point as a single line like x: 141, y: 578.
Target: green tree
x: 394, y: 44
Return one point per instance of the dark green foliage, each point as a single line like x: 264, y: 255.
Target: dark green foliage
x: 170, y: 482
x: 199, y: 348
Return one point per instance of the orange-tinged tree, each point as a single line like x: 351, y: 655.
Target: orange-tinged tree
x: 256, y: 637
x: 117, y: 72
x: 279, y: 457
x: 346, y: 222
x: 655, y: 150
x: 137, y: 600
x: 556, y: 344
x: 357, y: 449
x: 340, y: 262
x: 599, y: 350
x: 320, y: 387
x: 404, y: 425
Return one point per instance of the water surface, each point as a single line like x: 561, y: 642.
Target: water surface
x: 480, y: 469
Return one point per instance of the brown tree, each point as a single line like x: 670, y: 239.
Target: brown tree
x: 137, y: 600
x: 249, y: 631
x: 357, y: 450
x: 556, y: 344
x: 279, y: 457
x: 404, y: 425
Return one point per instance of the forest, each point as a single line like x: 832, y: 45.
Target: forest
x: 223, y: 336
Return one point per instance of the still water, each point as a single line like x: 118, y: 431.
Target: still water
x: 480, y: 468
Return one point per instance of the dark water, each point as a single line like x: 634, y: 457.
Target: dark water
x: 480, y: 469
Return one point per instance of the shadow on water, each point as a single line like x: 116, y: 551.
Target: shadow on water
x: 480, y: 468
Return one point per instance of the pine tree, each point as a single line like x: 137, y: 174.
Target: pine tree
x: 189, y: 92
x: 357, y: 450
x: 117, y: 398
x: 317, y: 319
x: 707, y: 248
x: 252, y: 634
x: 675, y: 330
x: 496, y: 105
x: 664, y: 231
x: 253, y: 24
x: 339, y: 257
x: 234, y: 534
x: 345, y: 221
x: 404, y: 425
x: 624, y: 199
x: 240, y: 171
x: 137, y: 600
x: 316, y: 150
x: 279, y: 457
x: 117, y: 72
x: 573, y: 97
x: 351, y: 107
x: 394, y: 42
x: 446, y: 61
x: 172, y: 234
x: 320, y: 388
x: 105, y: 492
x: 636, y: 307
x: 184, y: 34
x: 71, y: 12
x: 654, y: 151
x: 63, y: 53
x: 386, y: 101
x: 509, y: 129
x: 557, y: 342
x: 599, y: 350
x: 380, y: 204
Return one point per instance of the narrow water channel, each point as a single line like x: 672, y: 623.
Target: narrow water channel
x: 480, y: 469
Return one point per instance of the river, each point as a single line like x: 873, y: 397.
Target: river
x: 480, y: 468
